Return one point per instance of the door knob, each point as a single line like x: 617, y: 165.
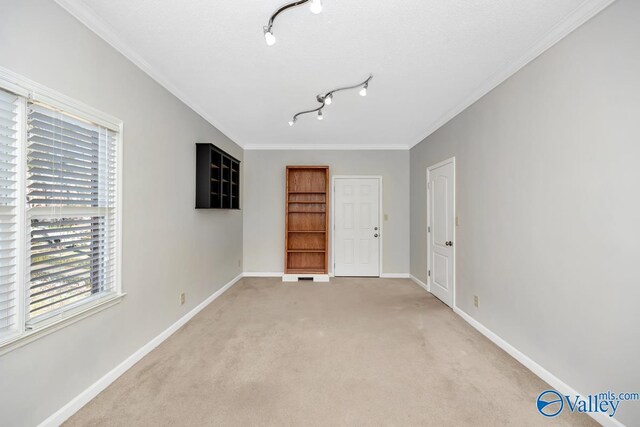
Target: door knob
x: 375, y: 228
x: 375, y: 235
x: 449, y: 243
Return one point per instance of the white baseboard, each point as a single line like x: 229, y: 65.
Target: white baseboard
x: 420, y: 283
x: 538, y: 370
x: 528, y: 363
x: 296, y: 277
x: 83, y: 398
x: 261, y: 274
x: 395, y: 276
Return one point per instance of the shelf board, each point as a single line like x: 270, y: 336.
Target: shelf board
x: 307, y: 231
x: 307, y: 192
x: 305, y: 271
x: 225, y: 167
x: 306, y: 212
x: 214, y: 194
x: 214, y: 180
x: 307, y: 202
x: 306, y: 251
x: 214, y: 166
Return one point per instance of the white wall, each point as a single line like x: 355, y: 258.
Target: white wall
x: 264, y: 186
x: 169, y: 247
x: 548, y: 181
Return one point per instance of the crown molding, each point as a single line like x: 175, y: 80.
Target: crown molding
x: 578, y: 17
x: 89, y: 19
x: 587, y: 10
x: 325, y: 147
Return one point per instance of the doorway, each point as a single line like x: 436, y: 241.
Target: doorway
x: 357, y: 230
x: 441, y: 218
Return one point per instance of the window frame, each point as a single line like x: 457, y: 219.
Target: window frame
x: 29, y: 90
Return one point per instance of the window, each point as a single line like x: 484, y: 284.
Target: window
x: 59, y: 216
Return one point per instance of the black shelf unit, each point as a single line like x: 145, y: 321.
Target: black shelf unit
x: 217, y: 178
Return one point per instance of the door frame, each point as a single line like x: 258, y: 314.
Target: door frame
x: 451, y: 160
x: 333, y: 213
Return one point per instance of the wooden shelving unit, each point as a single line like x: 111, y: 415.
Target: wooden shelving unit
x: 217, y: 178
x: 307, y: 220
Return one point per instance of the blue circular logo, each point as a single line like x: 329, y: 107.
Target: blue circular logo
x: 550, y: 403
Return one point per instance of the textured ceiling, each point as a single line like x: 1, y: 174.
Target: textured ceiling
x: 429, y: 58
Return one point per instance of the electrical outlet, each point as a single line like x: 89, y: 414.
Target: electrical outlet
x: 386, y: 217
x: 182, y: 298
x: 475, y: 300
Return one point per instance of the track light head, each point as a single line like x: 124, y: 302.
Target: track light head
x: 328, y: 99
x: 320, y: 117
x: 316, y: 6
x: 292, y: 122
x: 363, y: 91
x: 269, y: 37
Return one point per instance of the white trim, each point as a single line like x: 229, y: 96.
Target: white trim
x: 88, y: 17
x: 534, y: 367
x: 575, y: 19
x: 296, y: 277
x: 36, y: 92
x: 420, y: 283
x: 261, y: 274
x: 582, y: 14
x: 83, y: 312
x: 526, y: 361
x: 395, y: 276
x: 323, y: 147
x: 333, y: 212
x: 83, y: 398
x: 451, y: 160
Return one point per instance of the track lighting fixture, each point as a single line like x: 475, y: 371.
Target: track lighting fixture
x: 316, y: 7
x: 327, y: 98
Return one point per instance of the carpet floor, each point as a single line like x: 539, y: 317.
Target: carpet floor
x: 352, y: 352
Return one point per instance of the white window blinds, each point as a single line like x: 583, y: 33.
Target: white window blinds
x: 8, y: 215
x: 71, y: 192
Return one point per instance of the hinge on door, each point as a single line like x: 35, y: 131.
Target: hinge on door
x: 429, y: 229
x: 429, y: 273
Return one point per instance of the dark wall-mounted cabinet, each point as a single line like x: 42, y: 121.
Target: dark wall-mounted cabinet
x: 217, y: 178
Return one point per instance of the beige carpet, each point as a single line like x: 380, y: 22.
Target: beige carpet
x: 352, y: 352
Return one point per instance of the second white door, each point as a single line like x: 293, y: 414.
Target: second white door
x: 441, y: 201
x: 357, y: 227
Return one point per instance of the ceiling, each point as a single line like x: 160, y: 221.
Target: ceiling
x: 430, y: 60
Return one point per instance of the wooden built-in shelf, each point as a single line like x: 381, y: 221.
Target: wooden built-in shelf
x: 307, y: 226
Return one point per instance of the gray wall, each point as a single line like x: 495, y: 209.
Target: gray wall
x: 168, y: 246
x: 547, y: 196
x: 264, y: 201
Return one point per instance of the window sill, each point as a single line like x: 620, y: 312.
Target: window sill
x: 40, y: 331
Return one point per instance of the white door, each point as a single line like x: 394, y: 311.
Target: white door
x: 357, y: 227
x: 440, y: 200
